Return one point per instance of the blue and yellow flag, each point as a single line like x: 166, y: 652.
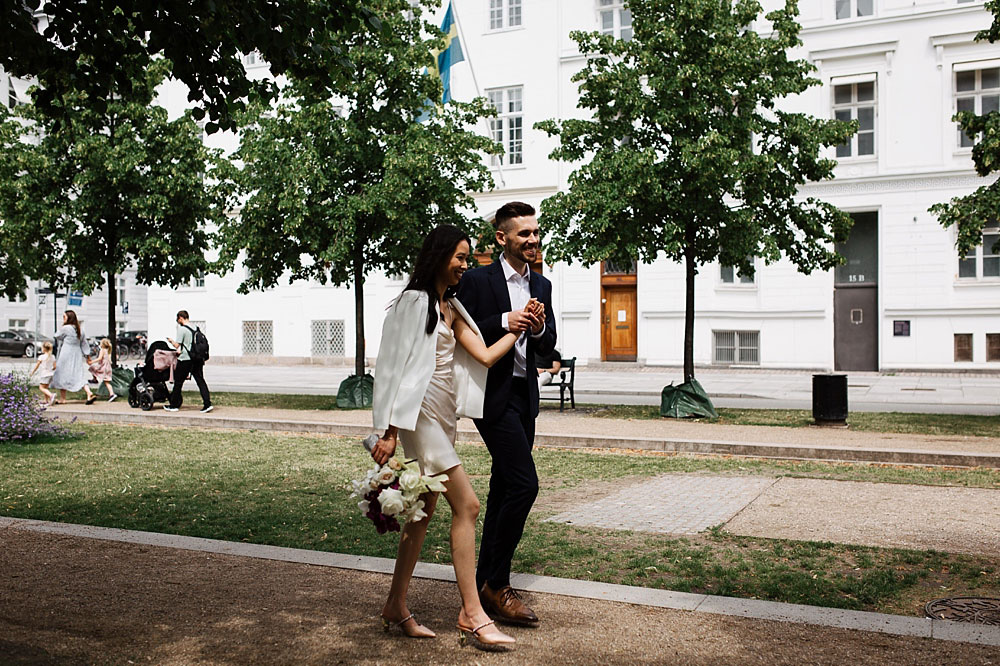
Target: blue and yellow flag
x: 450, y: 55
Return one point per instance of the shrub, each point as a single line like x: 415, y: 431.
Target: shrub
x: 22, y: 416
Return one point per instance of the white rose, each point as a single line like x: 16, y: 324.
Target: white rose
x: 415, y: 512
x: 363, y: 505
x: 391, y: 501
x: 386, y: 476
x: 409, y: 480
x: 394, y: 464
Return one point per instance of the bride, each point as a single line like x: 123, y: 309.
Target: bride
x: 423, y: 382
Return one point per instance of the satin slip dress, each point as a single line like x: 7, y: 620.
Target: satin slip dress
x: 432, y: 442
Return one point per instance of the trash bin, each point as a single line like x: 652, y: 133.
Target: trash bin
x: 830, y: 399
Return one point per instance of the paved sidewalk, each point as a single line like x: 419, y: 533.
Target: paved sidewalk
x: 91, y: 595
x: 568, y: 429
x: 609, y: 383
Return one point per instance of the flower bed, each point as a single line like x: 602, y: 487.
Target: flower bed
x: 22, y: 416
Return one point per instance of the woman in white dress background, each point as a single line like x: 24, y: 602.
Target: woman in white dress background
x: 432, y: 368
x: 71, y: 361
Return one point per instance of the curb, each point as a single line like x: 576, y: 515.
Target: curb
x: 573, y: 441
x: 897, y: 625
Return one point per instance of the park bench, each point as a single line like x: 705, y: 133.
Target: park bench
x: 565, y: 384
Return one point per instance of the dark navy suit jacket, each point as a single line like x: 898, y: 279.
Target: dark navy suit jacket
x: 483, y: 292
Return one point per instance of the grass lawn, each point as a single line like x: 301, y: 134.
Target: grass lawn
x: 290, y: 490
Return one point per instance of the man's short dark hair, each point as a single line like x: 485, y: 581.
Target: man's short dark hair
x: 182, y: 313
x: 509, y: 211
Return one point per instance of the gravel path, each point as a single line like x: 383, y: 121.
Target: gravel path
x: 69, y: 600
x: 554, y: 422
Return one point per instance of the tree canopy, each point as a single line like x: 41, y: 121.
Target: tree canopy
x: 204, y: 39
x: 687, y: 154
x: 104, y: 188
x: 335, y: 189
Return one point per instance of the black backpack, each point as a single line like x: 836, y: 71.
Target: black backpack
x: 199, y: 347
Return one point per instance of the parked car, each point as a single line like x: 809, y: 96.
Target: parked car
x: 21, y: 343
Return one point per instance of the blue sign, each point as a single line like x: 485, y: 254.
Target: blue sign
x: 76, y: 298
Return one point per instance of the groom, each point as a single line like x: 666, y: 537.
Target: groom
x: 497, y: 297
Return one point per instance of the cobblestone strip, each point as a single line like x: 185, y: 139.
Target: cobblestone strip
x: 669, y: 504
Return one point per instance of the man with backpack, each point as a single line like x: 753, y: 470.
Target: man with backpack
x: 193, y: 347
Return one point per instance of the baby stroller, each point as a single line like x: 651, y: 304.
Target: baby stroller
x: 149, y: 385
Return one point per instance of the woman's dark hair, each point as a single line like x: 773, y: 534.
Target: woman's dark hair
x: 438, y: 249
x: 74, y: 322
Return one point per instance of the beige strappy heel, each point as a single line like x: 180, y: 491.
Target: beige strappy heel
x: 467, y: 635
x: 388, y: 625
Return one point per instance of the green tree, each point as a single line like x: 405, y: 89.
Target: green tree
x: 103, y: 188
x: 205, y: 40
x: 970, y: 213
x: 336, y: 189
x: 686, y: 155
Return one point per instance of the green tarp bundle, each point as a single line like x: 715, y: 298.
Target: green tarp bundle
x: 686, y: 400
x: 356, y: 392
x: 121, y: 379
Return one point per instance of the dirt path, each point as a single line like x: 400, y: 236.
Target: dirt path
x: 69, y: 600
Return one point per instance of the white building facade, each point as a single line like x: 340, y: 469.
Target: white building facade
x: 905, y: 300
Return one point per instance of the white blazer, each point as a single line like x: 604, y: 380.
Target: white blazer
x: 406, y: 360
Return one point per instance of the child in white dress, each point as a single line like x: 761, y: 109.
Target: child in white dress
x: 47, y: 364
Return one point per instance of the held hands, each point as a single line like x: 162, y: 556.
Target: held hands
x: 532, y: 318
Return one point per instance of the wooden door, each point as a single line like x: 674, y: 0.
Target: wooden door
x: 620, y: 339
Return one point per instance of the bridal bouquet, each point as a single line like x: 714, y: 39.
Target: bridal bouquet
x: 390, y: 493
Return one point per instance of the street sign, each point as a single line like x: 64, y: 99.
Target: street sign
x: 75, y: 298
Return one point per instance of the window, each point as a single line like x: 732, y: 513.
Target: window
x: 852, y: 8
x: 328, y: 337
x: 198, y: 281
x: 983, y: 261
x: 856, y: 101
x: 17, y: 324
x: 507, y: 128
x: 121, y: 291
x: 253, y: 59
x: 736, y: 347
x: 12, y: 99
x: 505, y: 14
x: 732, y: 275
x: 612, y: 267
x: 258, y: 338
x: 963, y: 347
x: 993, y: 346
x: 120, y: 326
x: 976, y: 91
x: 615, y: 19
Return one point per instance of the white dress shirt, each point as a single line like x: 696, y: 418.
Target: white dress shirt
x: 519, y: 290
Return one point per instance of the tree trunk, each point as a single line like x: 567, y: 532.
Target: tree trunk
x: 690, y: 272
x: 359, y: 313
x: 112, y: 327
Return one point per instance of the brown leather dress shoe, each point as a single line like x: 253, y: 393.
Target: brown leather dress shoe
x: 506, y: 605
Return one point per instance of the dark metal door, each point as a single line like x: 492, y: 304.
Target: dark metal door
x: 855, y: 328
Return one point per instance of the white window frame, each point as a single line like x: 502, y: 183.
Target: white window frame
x: 853, y: 7
x: 253, y: 59
x: 504, y: 15
x: 16, y: 324
x: 198, y: 281
x: 976, y: 95
x: 740, y: 351
x: 736, y: 279
x: 122, y: 284
x: 507, y: 128
x: 615, y: 12
x: 978, y: 256
x: 853, y: 107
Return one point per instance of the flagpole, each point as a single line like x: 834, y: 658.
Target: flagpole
x: 462, y: 40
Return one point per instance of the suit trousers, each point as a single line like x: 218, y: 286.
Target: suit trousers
x: 513, y: 485
x: 196, y: 370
